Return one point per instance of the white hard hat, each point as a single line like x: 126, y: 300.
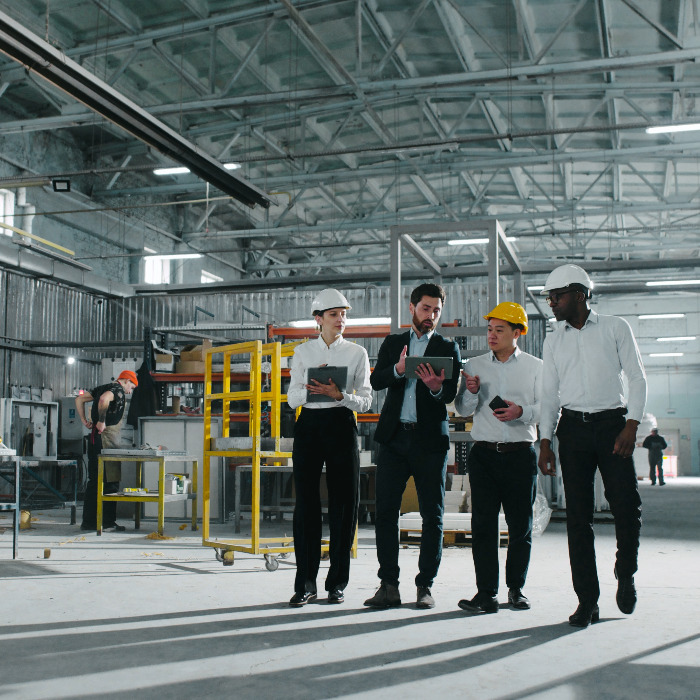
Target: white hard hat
x: 329, y: 299
x: 565, y: 276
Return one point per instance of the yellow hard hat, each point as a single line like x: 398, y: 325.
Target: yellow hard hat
x: 511, y: 312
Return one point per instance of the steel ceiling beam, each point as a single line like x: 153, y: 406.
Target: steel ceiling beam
x: 44, y: 60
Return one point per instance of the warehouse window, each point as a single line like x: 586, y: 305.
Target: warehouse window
x: 208, y: 277
x: 7, y: 210
x: 156, y: 270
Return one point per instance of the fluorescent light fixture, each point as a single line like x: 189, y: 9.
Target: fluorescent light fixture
x: 171, y: 171
x: 476, y: 241
x: 61, y: 185
x: 369, y: 321
x: 173, y: 256
x: 536, y: 288
x: 672, y: 339
x: 232, y: 166
x: 665, y: 354
x: 645, y: 317
x: 672, y: 128
x: 70, y: 360
x: 149, y: 250
x: 671, y: 283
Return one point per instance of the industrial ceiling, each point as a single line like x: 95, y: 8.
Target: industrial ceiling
x: 350, y: 116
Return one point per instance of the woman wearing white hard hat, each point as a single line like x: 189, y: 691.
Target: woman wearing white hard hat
x: 326, y: 433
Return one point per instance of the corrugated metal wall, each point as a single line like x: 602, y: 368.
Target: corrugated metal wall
x: 36, y: 309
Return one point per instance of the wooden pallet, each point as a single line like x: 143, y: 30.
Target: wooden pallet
x: 450, y: 538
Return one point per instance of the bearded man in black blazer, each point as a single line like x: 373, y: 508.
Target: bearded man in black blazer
x: 413, y: 437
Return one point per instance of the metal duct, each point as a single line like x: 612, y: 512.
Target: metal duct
x: 43, y: 59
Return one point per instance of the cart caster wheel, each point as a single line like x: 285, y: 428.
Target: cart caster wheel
x: 225, y: 556
x: 283, y: 555
x: 271, y: 563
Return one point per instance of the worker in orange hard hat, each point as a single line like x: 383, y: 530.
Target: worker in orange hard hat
x: 501, y: 389
x: 108, y: 401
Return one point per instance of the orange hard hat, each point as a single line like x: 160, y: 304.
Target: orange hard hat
x: 131, y: 376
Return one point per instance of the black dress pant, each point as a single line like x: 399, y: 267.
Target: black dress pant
x: 507, y: 479
x: 405, y: 455
x: 583, y: 447
x: 109, y: 508
x: 325, y: 436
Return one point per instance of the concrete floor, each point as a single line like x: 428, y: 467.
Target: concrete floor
x: 118, y: 615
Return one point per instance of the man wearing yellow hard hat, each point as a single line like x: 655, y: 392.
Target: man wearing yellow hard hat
x: 501, y: 390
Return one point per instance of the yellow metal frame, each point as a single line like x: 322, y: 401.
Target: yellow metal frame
x: 256, y: 350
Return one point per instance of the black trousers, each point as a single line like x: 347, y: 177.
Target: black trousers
x: 109, y: 508
x: 507, y: 479
x: 656, y: 464
x: 583, y: 447
x: 325, y: 436
x: 402, y: 457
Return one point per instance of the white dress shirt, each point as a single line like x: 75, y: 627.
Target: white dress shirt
x: 518, y: 379
x: 583, y: 370
x: 416, y: 348
x: 314, y: 353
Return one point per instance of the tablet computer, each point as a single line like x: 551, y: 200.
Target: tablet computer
x: 437, y: 363
x: 339, y: 375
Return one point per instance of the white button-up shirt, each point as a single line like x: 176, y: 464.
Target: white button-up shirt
x: 314, y: 353
x: 583, y: 370
x: 518, y: 379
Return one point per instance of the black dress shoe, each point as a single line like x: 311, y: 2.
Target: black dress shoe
x: 480, y: 604
x: 626, y: 593
x: 424, y: 599
x: 114, y: 528
x: 299, y: 599
x: 584, y: 615
x: 336, y: 596
x: 387, y: 596
x: 517, y: 600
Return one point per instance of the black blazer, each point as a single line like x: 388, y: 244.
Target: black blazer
x: 432, y: 414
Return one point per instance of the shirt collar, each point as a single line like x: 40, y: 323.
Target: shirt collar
x: 414, y: 335
x: 592, y: 318
x: 335, y: 343
x: 513, y: 357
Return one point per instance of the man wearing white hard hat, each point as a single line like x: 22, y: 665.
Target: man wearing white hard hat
x: 584, y: 363
x: 326, y: 433
x: 501, y: 389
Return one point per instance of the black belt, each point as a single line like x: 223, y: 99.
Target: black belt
x: 586, y: 417
x: 503, y: 446
x: 408, y: 426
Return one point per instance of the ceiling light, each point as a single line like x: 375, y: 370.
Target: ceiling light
x: 536, y: 288
x: 302, y: 324
x: 645, y: 317
x: 672, y: 128
x: 70, y: 360
x: 475, y: 241
x: 61, y: 185
x: 665, y: 354
x: 672, y: 339
x: 150, y: 250
x: 232, y: 166
x: 171, y: 171
x: 370, y: 321
x: 672, y: 283
x: 173, y: 256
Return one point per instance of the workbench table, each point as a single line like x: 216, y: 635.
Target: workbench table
x: 161, y: 498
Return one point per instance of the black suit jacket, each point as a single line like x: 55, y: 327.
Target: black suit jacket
x: 433, y: 425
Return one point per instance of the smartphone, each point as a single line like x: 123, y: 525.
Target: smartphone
x: 497, y: 402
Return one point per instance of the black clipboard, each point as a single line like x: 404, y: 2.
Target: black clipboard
x: 339, y: 375
x: 437, y: 363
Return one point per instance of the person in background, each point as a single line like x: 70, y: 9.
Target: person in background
x: 656, y: 446
x: 108, y: 401
x: 584, y: 363
x: 326, y: 433
x: 413, y: 437
x: 502, y: 462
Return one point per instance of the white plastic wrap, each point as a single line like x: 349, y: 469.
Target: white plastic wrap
x: 541, y: 513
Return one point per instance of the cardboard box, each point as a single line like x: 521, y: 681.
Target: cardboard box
x: 189, y: 367
x: 165, y: 363
x: 195, y: 353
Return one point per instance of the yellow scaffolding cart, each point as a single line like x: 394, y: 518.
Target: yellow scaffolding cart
x: 254, y: 395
